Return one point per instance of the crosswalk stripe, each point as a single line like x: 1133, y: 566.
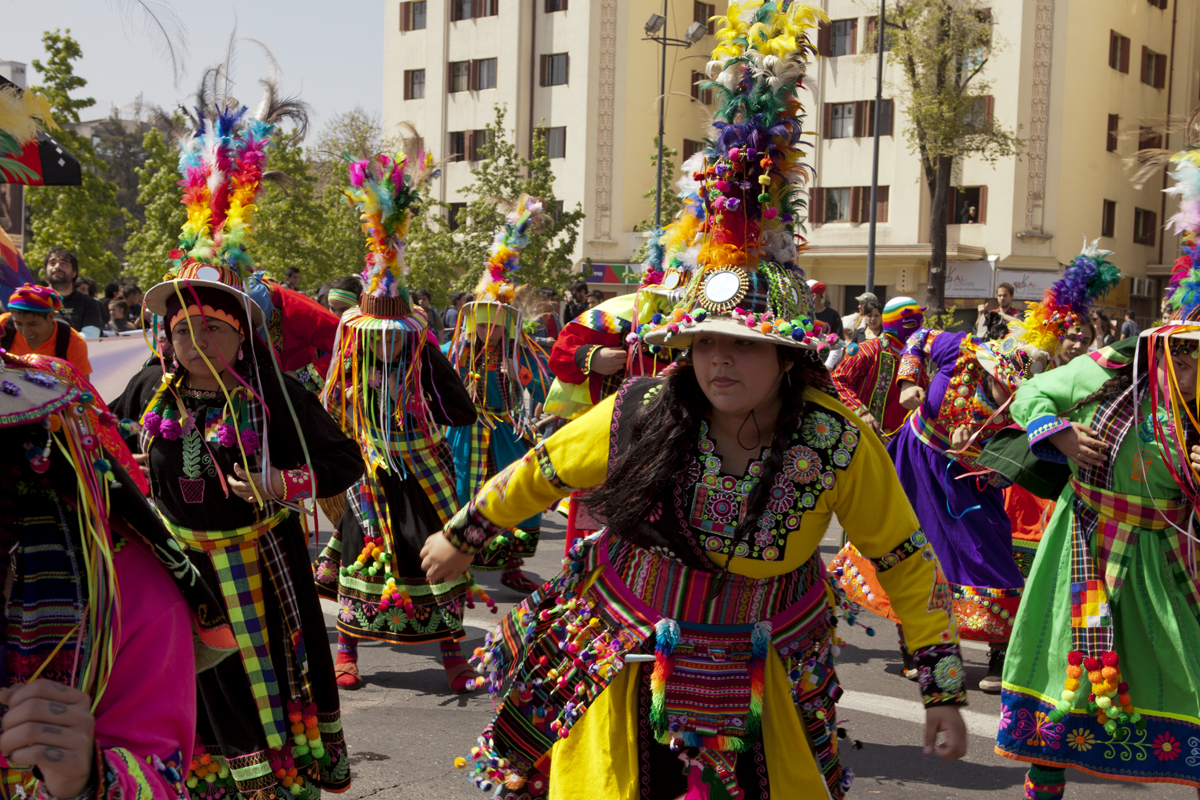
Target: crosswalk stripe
x: 982, y: 725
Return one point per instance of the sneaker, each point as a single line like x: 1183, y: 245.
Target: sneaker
x: 991, y: 683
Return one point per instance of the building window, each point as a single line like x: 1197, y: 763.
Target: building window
x: 555, y: 5
x: 1149, y: 139
x: 705, y: 96
x: 839, y: 120
x: 556, y: 141
x: 966, y: 205
x: 1114, y: 124
x: 1154, y: 68
x: 872, y: 36
x: 488, y: 8
x: 1159, y: 4
x: 476, y: 142
x: 860, y: 204
x: 845, y: 37
x: 556, y: 212
x: 457, y: 150
x: 704, y: 13
x: 885, y: 118
x: 483, y: 74
x: 837, y: 205
x: 414, y: 84
x: 460, y: 76
x: 412, y: 16
x: 457, y: 215
x: 460, y: 10
x: 1108, y: 224
x: 555, y: 69
x: 1118, y: 52
x: 1145, y: 226
x: 978, y: 118
x: 691, y: 147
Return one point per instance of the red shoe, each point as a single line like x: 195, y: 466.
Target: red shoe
x: 460, y: 675
x: 516, y: 580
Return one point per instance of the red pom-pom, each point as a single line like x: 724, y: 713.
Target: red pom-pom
x: 1122, y: 688
x: 1109, y: 658
x: 1092, y: 664
x: 1074, y: 658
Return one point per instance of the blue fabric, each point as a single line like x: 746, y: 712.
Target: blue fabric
x: 1041, y: 429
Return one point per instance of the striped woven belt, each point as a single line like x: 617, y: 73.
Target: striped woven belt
x: 1130, y: 509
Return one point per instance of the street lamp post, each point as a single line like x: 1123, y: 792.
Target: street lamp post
x: 695, y: 33
x: 875, y: 160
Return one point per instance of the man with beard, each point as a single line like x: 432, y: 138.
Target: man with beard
x: 79, y: 310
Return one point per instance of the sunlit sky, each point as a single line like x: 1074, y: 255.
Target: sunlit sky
x: 330, y: 53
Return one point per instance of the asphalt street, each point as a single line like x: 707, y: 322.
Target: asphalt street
x: 405, y: 729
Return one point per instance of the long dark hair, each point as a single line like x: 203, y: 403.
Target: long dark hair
x: 644, y: 476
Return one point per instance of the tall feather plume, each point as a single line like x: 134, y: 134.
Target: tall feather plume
x: 521, y: 217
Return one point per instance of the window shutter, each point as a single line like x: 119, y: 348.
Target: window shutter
x: 856, y: 204
x: 870, y: 41
x: 408, y: 84
x: 989, y: 106
x: 816, y: 208
x: 562, y: 5
x: 543, y: 60
x: 405, y: 18
x: 853, y: 37
x: 860, y: 119
x: 469, y: 145
x: 1114, y: 122
x: 566, y: 68
x: 1145, y: 63
x: 824, y: 42
x: 827, y: 121
x: 473, y: 80
x: 1160, y: 72
x: 952, y: 206
x: 881, y: 204
x: 1124, y: 55
x: 982, y: 205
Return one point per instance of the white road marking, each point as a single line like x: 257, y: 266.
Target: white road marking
x: 982, y: 725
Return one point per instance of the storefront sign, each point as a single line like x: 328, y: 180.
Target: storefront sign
x: 630, y: 274
x: 1028, y: 285
x: 969, y: 279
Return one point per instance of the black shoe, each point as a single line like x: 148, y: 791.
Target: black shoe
x: 991, y: 684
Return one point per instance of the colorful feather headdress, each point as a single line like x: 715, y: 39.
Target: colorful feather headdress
x: 749, y: 185
x: 387, y: 193
x: 504, y: 256
x: 222, y: 163
x: 1034, y: 342
x: 1183, y: 292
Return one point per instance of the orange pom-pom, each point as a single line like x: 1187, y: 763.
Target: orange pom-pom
x: 1095, y: 677
x: 1125, y: 700
x: 1074, y: 671
x: 1109, y: 673
x: 297, y: 728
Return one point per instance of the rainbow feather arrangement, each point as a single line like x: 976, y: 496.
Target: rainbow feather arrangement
x: 1183, y: 290
x: 504, y: 256
x: 387, y: 193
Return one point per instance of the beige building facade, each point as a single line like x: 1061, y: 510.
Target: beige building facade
x: 1077, y: 81
x: 578, y: 69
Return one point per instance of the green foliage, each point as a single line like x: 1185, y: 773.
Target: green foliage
x: 163, y: 214
x: 672, y: 203
x: 944, y: 321
x: 86, y: 219
x: 442, y: 259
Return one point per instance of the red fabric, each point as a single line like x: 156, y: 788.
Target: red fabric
x: 575, y: 336
x: 308, y: 327
x: 1028, y: 512
x: 855, y: 379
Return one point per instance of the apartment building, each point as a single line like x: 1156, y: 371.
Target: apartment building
x: 1079, y: 82
x: 577, y: 72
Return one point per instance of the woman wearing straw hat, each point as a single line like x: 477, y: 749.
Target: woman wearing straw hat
x: 234, y: 449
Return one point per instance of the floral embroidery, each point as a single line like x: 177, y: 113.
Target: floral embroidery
x: 1037, y: 729
x: 783, y: 495
x: 1005, y: 718
x: 1166, y: 747
x: 820, y: 429
x: 801, y: 464
x: 948, y: 674
x: 1081, y: 739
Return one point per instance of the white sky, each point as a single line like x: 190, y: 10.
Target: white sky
x: 330, y: 51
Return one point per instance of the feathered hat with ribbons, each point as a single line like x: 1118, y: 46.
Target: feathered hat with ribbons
x: 750, y: 190
x: 222, y: 164
x: 1033, y: 343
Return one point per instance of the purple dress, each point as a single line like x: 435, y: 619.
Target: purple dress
x: 964, y: 519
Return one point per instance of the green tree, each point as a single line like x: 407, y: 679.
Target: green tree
x: 442, y: 258
x: 120, y: 144
x: 672, y: 203
x: 86, y: 219
x: 289, y: 222
x: 942, y: 47
x: 163, y: 215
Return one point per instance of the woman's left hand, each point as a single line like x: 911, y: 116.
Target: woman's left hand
x: 947, y: 720
x: 959, y: 437
x: 1196, y: 458
x: 242, y: 487
x: 442, y: 561
x: 49, y: 725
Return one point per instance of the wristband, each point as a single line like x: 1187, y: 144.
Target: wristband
x: 298, y: 484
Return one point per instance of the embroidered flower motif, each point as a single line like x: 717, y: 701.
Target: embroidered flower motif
x: 841, y: 457
x: 849, y: 439
x: 1166, y: 747
x: 376, y: 379
x: 820, y: 429
x: 828, y: 479
x: 801, y: 464
x: 1081, y: 739
x: 188, y: 421
x: 948, y: 674
x: 1037, y: 729
x: 783, y: 495
x: 1005, y: 716
x: 763, y: 538
x: 720, y: 507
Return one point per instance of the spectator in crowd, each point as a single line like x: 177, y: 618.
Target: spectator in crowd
x: 292, y: 278
x: 424, y: 299
x: 450, y: 315
x: 985, y: 326
x: 88, y: 286
x: 119, y: 320
x: 30, y: 326
x: 1130, y: 328
x: 824, y: 312
x: 81, y: 312
x: 594, y: 298
x: 133, y: 300
x: 343, y: 294
x: 964, y: 213
x: 873, y: 328
x: 1103, y: 327
x: 852, y: 323
x: 577, y: 301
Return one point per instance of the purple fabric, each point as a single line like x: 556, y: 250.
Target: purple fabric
x: 975, y: 550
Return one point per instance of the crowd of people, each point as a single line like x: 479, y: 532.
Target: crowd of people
x: 1029, y: 484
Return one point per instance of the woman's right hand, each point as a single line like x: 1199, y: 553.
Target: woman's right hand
x: 143, y: 462
x: 1080, y: 445
x: 912, y: 396
x: 608, y: 361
